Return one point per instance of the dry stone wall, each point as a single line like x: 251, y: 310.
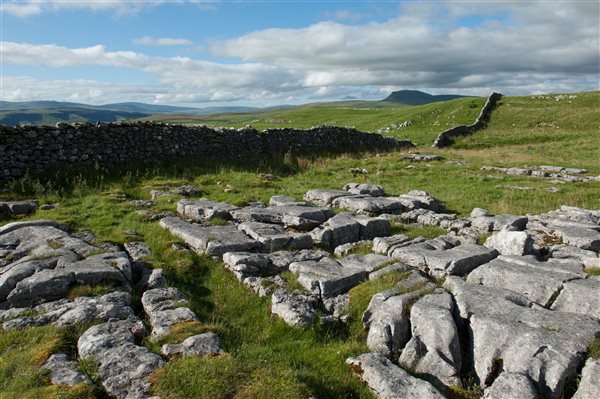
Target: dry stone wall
x: 444, y: 137
x: 40, y: 148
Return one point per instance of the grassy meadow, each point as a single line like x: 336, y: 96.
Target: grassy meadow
x: 265, y: 358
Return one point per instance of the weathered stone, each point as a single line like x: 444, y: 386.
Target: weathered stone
x: 511, y: 385
x: 374, y: 190
x: 369, y: 205
x: 153, y: 278
x: 579, y: 296
x: 344, y: 228
x: 385, y: 245
x: 538, y: 281
x: 196, y: 345
x: 297, y: 309
x: 327, y: 277
x: 345, y: 249
x: 64, y: 371
x: 212, y: 240
x: 338, y: 305
x: 297, y: 217
x: 279, y: 200
x: 434, y: 349
x: 394, y: 267
x: 263, y: 286
x: 459, y: 260
x: 389, y: 381
x: 204, y: 209
x: 505, y: 333
x: 281, y: 260
x: 123, y: 367
x: 508, y: 242
x: 248, y: 264
x: 275, y: 237
x: 137, y: 250
x: 187, y: 190
x: 389, y: 322
x: 416, y: 199
x: 165, y: 307
x: 320, y: 197
x: 479, y: 212
x: 367, y: 262
x: 589, y: 386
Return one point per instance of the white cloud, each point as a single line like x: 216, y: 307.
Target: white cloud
x: 27, y: 8
x: 415, y: 49
x: 162, y: 41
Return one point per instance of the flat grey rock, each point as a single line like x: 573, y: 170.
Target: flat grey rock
x: 368, y: 205
x: 278, y: 200
x: 388, y: 381
x: 204, y: 209
x: 165, y: 307
x: 459, y: 260
x: 124, y: 368
x: 327, y: 277
x: 64, y: 371
x: 321, y: 197
x: 297, y: 309
x: 589, y: 386
x: 389, y: 322
x: 579, y: 296
x: 345, y: 228
x: 212, y: 240
x: 394, y: 267
x: 511, y: 385
x: 367, y: 262
x: 297, y: 217
x: 538, y: 281
x: 274, y: 237
x: 416, y: 199
x: 373, y: 190
x: 434, y: 348
x: 7, y: 228
x: 545, y: 345
x: 196, y: 345
x: 263, y: 286
x: 137, y: 250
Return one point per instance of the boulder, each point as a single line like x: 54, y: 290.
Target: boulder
x: 508, y: 242
x: 297, y: 217
x: 345, y: 228
x: 368, y: 205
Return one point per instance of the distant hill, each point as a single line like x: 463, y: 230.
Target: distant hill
x: 416, y: 97
x: 51, y: 112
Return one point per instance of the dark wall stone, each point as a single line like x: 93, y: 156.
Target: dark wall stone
x: 40, y: 148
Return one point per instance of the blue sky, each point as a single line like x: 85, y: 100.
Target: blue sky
x: 262, y: 53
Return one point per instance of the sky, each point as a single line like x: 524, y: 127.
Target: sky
x: 263, y: 53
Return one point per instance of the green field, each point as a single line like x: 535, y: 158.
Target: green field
x: 265, y: 358
x: 427, y: 120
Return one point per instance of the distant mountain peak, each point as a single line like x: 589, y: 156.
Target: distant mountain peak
x: 417, y: 97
